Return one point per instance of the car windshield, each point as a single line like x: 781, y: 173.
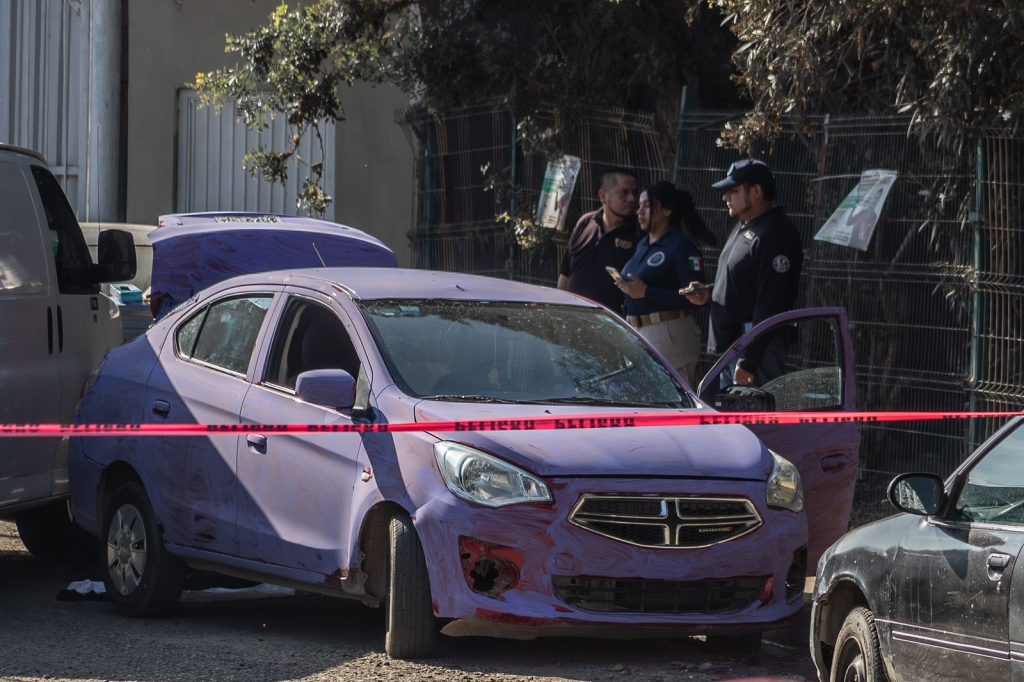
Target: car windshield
x: 482, y: 351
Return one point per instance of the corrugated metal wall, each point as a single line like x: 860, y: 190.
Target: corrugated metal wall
x: 210, y: 175
x: 44, y: 86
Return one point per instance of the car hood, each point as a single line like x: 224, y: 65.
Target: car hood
x: 650, y: 451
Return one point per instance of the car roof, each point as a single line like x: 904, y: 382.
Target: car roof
x: 402, y: 283
x: 188, y: 224
x: 22, y: 150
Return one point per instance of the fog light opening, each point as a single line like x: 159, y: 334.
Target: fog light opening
x: 489, y: 569
x: 797, y: 574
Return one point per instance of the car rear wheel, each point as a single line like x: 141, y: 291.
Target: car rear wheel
x: 411, y: 626
x: 857, y: 657
x: 141, y: 578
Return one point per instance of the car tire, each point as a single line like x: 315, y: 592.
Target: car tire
x: 141, y: 577
x: 411, y: 626
x: 857, y: 656
x: 734, y: 645
x: 50, y: 535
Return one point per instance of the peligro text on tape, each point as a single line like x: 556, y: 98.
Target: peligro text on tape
x: 541, y: 423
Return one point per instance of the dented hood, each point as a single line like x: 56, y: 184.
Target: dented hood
x: 731, y: 452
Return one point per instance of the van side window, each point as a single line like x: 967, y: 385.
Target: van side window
x: 70, y: 254
x: 310, y: 336
x: 22, y: 268
x: 228, y: 334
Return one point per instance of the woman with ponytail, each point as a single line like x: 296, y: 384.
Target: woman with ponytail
x: 666, y: 260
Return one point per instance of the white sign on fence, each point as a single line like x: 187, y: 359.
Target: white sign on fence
x: 559, y: 182
x: 853, y: 222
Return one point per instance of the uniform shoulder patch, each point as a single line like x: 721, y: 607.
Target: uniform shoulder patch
x: 780, y: 264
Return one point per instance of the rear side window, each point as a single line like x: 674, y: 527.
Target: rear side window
x: 224, y: 334
x: 22, y: 268
x: 70, y: 254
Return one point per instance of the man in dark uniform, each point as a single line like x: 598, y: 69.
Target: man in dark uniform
x: 606, y: 237
x: 758, y: 271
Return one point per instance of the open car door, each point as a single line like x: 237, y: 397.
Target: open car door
x: 818, y: 375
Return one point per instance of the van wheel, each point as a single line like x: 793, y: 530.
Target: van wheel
x: 50, y: 535
x: 411, y: 627
x: 141, y: 578
x: 857, y: 657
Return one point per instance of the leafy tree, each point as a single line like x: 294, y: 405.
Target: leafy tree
x: 955, y: 66
x: 548, y: 61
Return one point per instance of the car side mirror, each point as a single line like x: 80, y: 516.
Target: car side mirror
x: 919, y: 494
x: 116, y: 251
x: 331, y: 388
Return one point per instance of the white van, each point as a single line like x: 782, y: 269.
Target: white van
x: 55, y: 326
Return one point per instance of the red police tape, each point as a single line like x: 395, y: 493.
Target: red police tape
x: 544, y: 423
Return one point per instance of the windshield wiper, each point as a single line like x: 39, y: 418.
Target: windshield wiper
x: 468, y: 398
x: 569, y: 400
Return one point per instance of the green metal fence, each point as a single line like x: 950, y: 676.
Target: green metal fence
x: 936, y: 302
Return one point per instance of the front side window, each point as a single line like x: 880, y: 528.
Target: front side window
x: 994, y: 489
x: 310, y: 336
x: 518, y: 352
x: 224, y: 334
x: 67, y: 244
x: 22, y: 268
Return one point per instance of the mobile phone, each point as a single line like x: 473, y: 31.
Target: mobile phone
x: 694, y: 288
x: 613, y: 272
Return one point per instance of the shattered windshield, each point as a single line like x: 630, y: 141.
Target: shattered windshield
x: 480, y: 351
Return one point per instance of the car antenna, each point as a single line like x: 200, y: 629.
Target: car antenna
x: 317, y: 251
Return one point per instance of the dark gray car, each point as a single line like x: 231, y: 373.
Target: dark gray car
x: 931, y: 593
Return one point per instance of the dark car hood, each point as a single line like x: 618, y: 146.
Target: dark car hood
x: 682, y: 451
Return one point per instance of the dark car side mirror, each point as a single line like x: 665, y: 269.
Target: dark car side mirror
x: 919, y: 494
x: 331, y: 388
x: 116, y: 251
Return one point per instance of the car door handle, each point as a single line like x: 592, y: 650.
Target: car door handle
x: 998, y: 562
x: 161, y: 408
x: 257, y: 443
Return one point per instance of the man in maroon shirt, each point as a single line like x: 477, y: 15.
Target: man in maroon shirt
x: 606, y: 237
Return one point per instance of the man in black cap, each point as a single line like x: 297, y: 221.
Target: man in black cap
x: 758, y: 271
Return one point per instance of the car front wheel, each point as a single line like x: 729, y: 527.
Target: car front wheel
x: 411, y: 626
x: 141, y: 578
x: 857, y: 657
x: 49, y: 534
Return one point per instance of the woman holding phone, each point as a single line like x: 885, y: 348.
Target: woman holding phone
x: 666, y: 260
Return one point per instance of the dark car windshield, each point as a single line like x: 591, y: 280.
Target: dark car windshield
x: 480, y: 351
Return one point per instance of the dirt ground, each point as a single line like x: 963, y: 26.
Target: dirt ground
x: 317, y: 638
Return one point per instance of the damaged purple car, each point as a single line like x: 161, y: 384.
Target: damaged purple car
x: 606, y: 532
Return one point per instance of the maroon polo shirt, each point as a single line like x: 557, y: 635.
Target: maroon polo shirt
x: 590, y: 250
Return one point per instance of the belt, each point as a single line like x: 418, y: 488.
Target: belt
x: 654, y: 318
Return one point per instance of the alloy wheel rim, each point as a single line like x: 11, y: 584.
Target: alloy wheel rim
x: 855, y: 669
x: 126, y: 549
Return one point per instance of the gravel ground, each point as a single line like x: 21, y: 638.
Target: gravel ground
x: 316, y: 638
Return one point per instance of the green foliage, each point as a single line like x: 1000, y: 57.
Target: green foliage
x: 548, y: 61
x: 954, y: 65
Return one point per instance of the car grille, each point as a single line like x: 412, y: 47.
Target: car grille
x: 637, y: 595
x: 670, y: 522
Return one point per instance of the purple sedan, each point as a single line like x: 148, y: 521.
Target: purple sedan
x: 681, y: 530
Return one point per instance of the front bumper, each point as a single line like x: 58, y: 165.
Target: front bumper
x: 528, y: 546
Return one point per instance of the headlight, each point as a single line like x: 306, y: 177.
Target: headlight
x: 487, y: 480
x: 784, y: 487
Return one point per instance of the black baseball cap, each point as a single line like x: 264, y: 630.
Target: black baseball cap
x: 747, y: 172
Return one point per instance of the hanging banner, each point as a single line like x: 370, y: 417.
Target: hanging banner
x: 559, y: 183
x: 853, y: 222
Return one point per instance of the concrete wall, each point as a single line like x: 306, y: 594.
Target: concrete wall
x: 170, y: 40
